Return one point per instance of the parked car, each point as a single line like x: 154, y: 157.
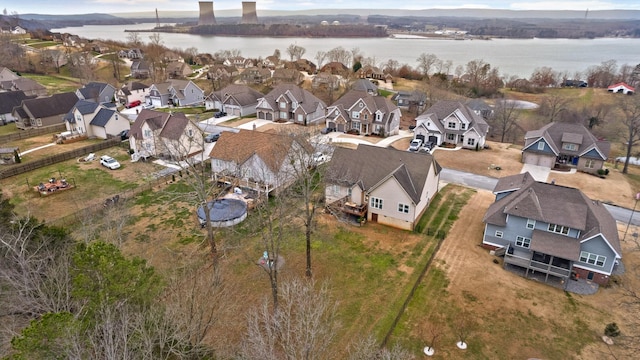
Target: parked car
x: 327, y: 130
x: 133, y: 104
x: 220, y: 114
x: 109, y: 162
x: 148, y: 106
x: 319, y: 158
x: 212, y: 138
x: 124, y: 134
x: 429, y: 145
x: 415, y: 144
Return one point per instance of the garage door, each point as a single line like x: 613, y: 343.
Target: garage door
x: 156, y: 102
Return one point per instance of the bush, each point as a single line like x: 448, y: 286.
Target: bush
x: 612, y: 330
x: 603, y: 172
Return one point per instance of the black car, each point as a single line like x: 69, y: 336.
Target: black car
x: 124, y: 134
x: 211, y: 138
x: 327, y: 130
x: 220, y: 114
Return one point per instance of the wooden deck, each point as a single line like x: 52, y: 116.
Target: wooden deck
x: 525, y: 260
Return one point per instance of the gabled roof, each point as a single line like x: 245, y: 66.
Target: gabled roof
x: 11, y: 99
x: 242, y: 94
x: 554, y: 204
x: 621, y: 84
x: 364, y: 85
x: 26, y: 84
x: 92, y: 90
x: 84, y: 107
x: 154, y: 119
x: 56, y: 104
x: 304, y: 98
x: 513, y: 183
x: 369, y: 166
x: 478, y: 105
x: 132, y: 85
x: 374, y: 103
x: 174, y: 127
x: 238, y: 147
x: 443, y: 108
x: 102, y: 117
x: 557, y: 133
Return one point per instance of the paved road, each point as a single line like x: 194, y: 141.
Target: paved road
x: 488, y: 183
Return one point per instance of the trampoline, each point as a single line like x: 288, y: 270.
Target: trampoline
x: 223, y: 212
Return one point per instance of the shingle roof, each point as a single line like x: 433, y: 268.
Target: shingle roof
x: 305, y: 99
x: 241, y: 94
x: 444, y: 108
x: 175, y: 126
x: 556, y: 133
x: 83, y: 106
x: 11, y: 99
x: 364, y: 85
x: 26, y: 84
x: 239, y: 147
x: 155, y: 120
x: 102, y: 117
x: 554, y: 204
x: 56, y: 104
x: 373, y: 102
x: 368, y: 165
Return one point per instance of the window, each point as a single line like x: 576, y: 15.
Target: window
x: 283, y: 115
x: 300, y: 118
x: 190, y: 132
x: 356, y: 125
x: 463, y: 126
x: 499, y: 234
x: 403, y: 208
x: 355, y: 115
x: 558, y: 229
x: 451, y: 137
x: 451, y: 125
x: 541, y: 145
x: 592, y: 259
x: 283, y: 105
x: 376, y: 203
x: 366, y: 116
x: 589, y: 164
x: 570, y: 147
x: 531, y: 224
x: 471, y: 142
x: 523, y: 242
x: 147, y: 133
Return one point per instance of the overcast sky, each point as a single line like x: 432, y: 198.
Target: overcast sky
x: 119, y: 6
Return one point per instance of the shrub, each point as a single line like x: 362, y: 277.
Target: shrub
x: 612, y: 330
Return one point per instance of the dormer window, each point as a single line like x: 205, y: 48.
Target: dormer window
x: 570, y: 147
x: 283, y: 105
x: 451, y: 125
x: 463, y: 126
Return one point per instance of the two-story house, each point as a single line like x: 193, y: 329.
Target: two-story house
x: 372, y: 72
x: 282, y: 76
x: 453, y: 122
x: 414, y: 101
x: 364, y: 113
x: 565, y: 144
x: 288, y: 102
x: 178, y: 70
x: 41, y: 112
x: 132, y: 91
x: 238, y: 100
x: 553, y: 230
x: 164, y: 135
x: 9, y: 100
x: 140, y: 69
x: 383, y: 185
x: 30, y: 87
x: 94, y: 120
x: 97, y: 92
x: 262, y: 161
x: 255, y: 75
x: 175, y: 92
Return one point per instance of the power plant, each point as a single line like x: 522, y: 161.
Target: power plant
x: 206, y: 13
x: 249, y: 15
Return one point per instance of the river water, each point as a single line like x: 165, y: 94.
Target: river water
x: 511, y: 56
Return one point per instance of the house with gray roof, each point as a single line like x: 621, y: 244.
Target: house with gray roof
x: 175, y: 92
x: 552, y: 230
x: 28, y: 86
x: 132, y: 91
x: 7, y: 75
x: 234, y: 99
x: 414, y: 101
x: 365, y: 85
x: 170, y: 136
x: 288, y: 102
x: 453, y: 122
x: 178, y: 70
x: 140, y: 69
x: 364, y: 113
x: 383, y: 185
x: 41, y: 112
x: 9, y: 100
x: 94, y: 120
x: 97, y: 92
x: 559, y: 144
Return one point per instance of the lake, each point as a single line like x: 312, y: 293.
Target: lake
x: 511, y: 56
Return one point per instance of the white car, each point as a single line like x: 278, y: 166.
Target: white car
x: 415, y: 144
x: 319, y: 158
x: 109, y: 162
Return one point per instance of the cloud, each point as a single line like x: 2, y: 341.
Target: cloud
x: 571, y: 5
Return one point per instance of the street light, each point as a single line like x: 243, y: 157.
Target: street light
x: 631, y: 217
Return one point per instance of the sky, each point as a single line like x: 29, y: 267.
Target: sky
x: 125, y: 6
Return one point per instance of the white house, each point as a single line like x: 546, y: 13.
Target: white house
x: 164, y: 135
x: 91, y: 119
x: 450, y: 121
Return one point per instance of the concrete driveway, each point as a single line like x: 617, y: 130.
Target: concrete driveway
x: 540, y: 173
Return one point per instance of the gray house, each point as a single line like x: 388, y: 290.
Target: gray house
x: 97, y: 92
x: 564, y: 144
x: 383, y: 185
x: 552, y: 230
x: 239, y: 100
x: 9, y: 100
x: 453, y: 122
x: 175, y: 92
x: 41, y: 112
x: 364, y: 113
x: 288, y: 102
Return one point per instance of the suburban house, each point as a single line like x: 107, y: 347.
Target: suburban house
x: 175, y: 92
x: 272, y: 62
x: 301, y: 65
x: 414, y: 101
x: 92, y: 120
x: 7, y: 75
x: 41, y: 112
x: 288, y: 102
x: 257, y: 160
x: 9, y: 100
x: 28, y: 86
x: 178, y: 70
x: 222, y: 72
x: 621, y: 88
x: 238, y: 62
x: 255, y: 75
x: 97, y: 92
x: 560, y: 144
x: 238, y: 100
x: 367, y: 114
x: 99, y: 47
x: 164, y: 135
x: 18, y: 30
x: 131, y: 54
x: 140, y: 69
x: 372, y: 72
x: 453, y: 122
x: 325, y: 81
x: 553, y: 230
x: 131, y: 92
x: 291, y: 76
x: 383, y: 185
x: 480, y: 107
x: 336, y: 68
x: 365, y: 85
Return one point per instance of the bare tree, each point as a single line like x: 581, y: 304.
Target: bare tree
x: 133, y: 39
x: 302, y: 327
x: 368, y: 349
x: 629, y: 110
x: 320, y: 57
x: 552, y: 106
x: 426, y: 62
x: 339, y: 54
x: 295, y: 52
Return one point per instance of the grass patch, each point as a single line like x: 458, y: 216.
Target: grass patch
x: 55, y: 84
x: 8, y: 129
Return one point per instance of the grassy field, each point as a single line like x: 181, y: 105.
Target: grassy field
x: 55, y: 84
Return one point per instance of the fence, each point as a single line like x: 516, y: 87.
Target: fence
x: 31, y: 132
x: 73, y: 154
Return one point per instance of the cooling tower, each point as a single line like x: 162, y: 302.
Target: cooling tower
x: 206, y: 13
x: 249, y: 15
